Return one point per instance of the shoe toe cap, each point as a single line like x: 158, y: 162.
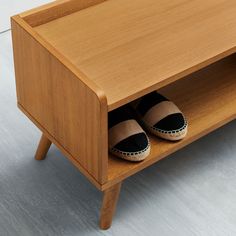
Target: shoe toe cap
x: 172, y: 123
x: 135, y: 147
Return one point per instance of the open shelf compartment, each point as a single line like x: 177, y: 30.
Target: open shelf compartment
x: 208, y: 100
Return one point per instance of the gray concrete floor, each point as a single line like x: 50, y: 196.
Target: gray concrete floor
x: 192, y: 192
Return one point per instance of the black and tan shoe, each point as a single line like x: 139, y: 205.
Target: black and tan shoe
x: 126, y: 137
x: 161, y: 116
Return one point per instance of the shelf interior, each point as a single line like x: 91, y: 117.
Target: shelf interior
x: 208, y: 100
x: 149, y: 44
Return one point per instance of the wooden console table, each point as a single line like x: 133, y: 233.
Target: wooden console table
x: 77, y: 60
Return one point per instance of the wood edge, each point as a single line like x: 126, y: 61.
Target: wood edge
x: 172, y: 79
x: 121, y: 177
x: 104, y: 141
x: 13, y: 47
x: 52, y: 50
x: 54, y: 10
x: 61, y: 148
x: 41, y: 8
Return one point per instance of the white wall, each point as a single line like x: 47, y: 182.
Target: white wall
x: 12, y: 7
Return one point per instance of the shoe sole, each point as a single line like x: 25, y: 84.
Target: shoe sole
x: 132, y: 156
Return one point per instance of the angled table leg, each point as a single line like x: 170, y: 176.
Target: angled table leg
x: 110, y: 198
x: 43, y: 147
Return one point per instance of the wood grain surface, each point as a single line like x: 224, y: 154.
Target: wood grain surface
x: 56, y: 9
x: 119, y: 60
x: 73, y: 114
x: 191, y: 193
x: 43, y: 147
x: 110, y: 199
x: 130, y: 48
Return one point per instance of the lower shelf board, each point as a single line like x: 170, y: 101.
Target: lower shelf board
x: 208, y: 100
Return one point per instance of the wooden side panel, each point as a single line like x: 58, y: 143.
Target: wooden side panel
x: 61, y: 103
x: 52, y: 11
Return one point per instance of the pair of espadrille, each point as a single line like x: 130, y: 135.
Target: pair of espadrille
x: 156, y: 114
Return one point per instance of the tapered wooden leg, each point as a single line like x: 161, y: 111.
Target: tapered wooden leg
x: 44, y: 145
x: 110, y: 198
